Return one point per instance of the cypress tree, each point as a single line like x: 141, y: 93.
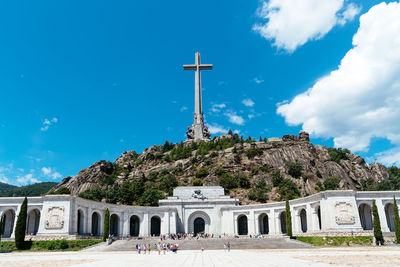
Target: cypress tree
x: 377, y: 225
x: 20, y: 228
x: 288, y: 220
x: 106, y: 229
x: 396, y: 221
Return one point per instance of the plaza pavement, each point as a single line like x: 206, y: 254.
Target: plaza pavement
x: 363, y: 256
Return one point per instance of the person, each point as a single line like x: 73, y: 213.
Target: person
x: 149, y: 248
x: 139, y: 248
x: 164, y: 247
x: 224, y: 247
x: 144, y: 248
x: 159, y: 248
x: 228, y: 246
x: 202, y: 249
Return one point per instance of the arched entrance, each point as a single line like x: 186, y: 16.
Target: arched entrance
x: 155, y: 226
x: 282, y: 219
x: 303, y: 220
x: 242, y: 225
x: 8, y: 226
x: 389, y: 211
x: 80, y: 222
x: 32, y: 225
x: 134, y: 226
x: 114, y: 225
x: 95, y: 224
x: 263, y: 224
x: 364, y: 210
x: 318, y: 210
x: 199, y: 226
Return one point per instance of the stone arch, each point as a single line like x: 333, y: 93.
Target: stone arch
x: 96, y: 222
x: 389, y: 212
x: 155, y: 226
x: 263, y: 224
x: 8, y: 226
x: 203, y: 219
x: 80, y: 222
x: 303, y: 220
x: 282, y: 220
x: 32, y: 224
x: 242, y: 225
x: 114, y: 225
x: 318, y: 213
x: 364, y: 211
x: 134, y: 225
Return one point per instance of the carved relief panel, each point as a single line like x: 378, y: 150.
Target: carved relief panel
x: 55, y: 218
x: 344, y: 213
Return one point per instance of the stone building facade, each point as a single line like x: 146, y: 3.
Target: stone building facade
x: 201, y: 210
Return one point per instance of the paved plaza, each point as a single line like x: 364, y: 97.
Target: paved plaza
x: 303, y: 257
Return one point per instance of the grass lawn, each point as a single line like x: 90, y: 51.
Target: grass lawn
x: 53, y: 245
x: 336, y: 241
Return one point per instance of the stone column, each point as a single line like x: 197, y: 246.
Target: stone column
x: 251, y: 223
x: 296, y: 222
x: 309, y: 213
x: 165, y: 226
x: 89, y: 221
x: 382, y: 215
x: 272, y: 223
x: 126, y: 224
x: 145, y: 225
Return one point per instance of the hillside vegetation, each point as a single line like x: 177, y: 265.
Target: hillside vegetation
x: 252, y: 170
x: 28, y: 190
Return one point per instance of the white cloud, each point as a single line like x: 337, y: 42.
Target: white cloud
x: 291, y: 23
x: 46, y: 170
x: 3, y: 178
x: 217, y: 107
x: 56, y: 175
x: 27, y: 179
x: 216, y: 129
x: 47, y: 123
x: 183, y: 108
x: 248, y: 102
x: 389, y: 157
x: 361, y: 98
x: 258, y: 81
x: 234, y: 118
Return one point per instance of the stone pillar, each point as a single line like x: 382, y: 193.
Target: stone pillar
x: 251, y: 223
x: 89, y: 221
x: 15, y: 221
x: 382, y: 215
x: 145, y: 225
x: 309, y: 213
x: 126, y: 224
x: 236, y: 226
x: 165, y: 226
x: 296, y: 222
x: 272, y: 223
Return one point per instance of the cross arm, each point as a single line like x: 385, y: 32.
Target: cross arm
x: 201, y: 67
x: 189, y: 67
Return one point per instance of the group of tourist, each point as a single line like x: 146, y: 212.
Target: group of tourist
x: 165, y: 247
x: 185, y: 236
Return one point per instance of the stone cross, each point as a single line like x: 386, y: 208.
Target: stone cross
x: 198, y: 131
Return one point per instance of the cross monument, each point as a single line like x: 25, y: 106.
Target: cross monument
x: 198, y: 131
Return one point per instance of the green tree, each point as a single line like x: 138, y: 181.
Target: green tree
x: 20, y: 228
x: 106, y: 228
x: 332, y: 183
x: 377, y: 225
x: 294, y: 169
x: 396, y: 220
x: 242, y: 180
x: 288, y: 220
x: 337, y: 154
x: 227, y: 181
x: 150, y: 197
x: 202, y: 173
x: 288, y: 190
x: 197, y: 182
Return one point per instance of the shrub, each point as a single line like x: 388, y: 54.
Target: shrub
x: 63, y: 244
x: 20, y: 228
x: 337, y: 154
x: 150, y: 197
x: 377, y: 225
x: 288, y: 190
x: 258, y: 194
x: 201, y: 173
x: 319, y: 175
x: 95, y: 193
x: 294, y: 169
x: 219, y: 171
x: 277, y: 178
x: 61, y: 191
x: 242, y: 180
x: 319, y: 186
x: 332, y: 183
x: 168, y: 182
x: 106, y: 225
x: 167, y: 146
x: 253, y: 152
x: 260, y: 183
x: 227, y: 181
x: 197, y: 182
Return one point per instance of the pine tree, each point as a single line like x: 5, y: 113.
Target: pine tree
x: 288, y: 220
x: 396, y: 221
x: 20, y: 228
x: 377, y: 225
x: 106, y: 229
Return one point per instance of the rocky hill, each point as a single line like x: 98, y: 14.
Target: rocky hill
x: 253, y: 171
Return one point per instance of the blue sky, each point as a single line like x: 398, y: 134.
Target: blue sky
x: 83, y: 81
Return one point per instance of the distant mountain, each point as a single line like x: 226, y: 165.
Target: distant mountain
x: 37, y: 189
x: 4, y: 186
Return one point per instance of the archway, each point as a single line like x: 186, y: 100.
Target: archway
x: 303, y: 220
x: 282, y: 219
x: 114, y: 225
x: 199, y: 226
x: 155, y: 226
x: 95, y: 224
x: 263, y: 224
x: 364, y: 210
x: 8, y: 219
x: 242, y: 225
x: 134, y: 226
x: 389, y: 211
x: 80, y: 222
x: 32, y: 225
